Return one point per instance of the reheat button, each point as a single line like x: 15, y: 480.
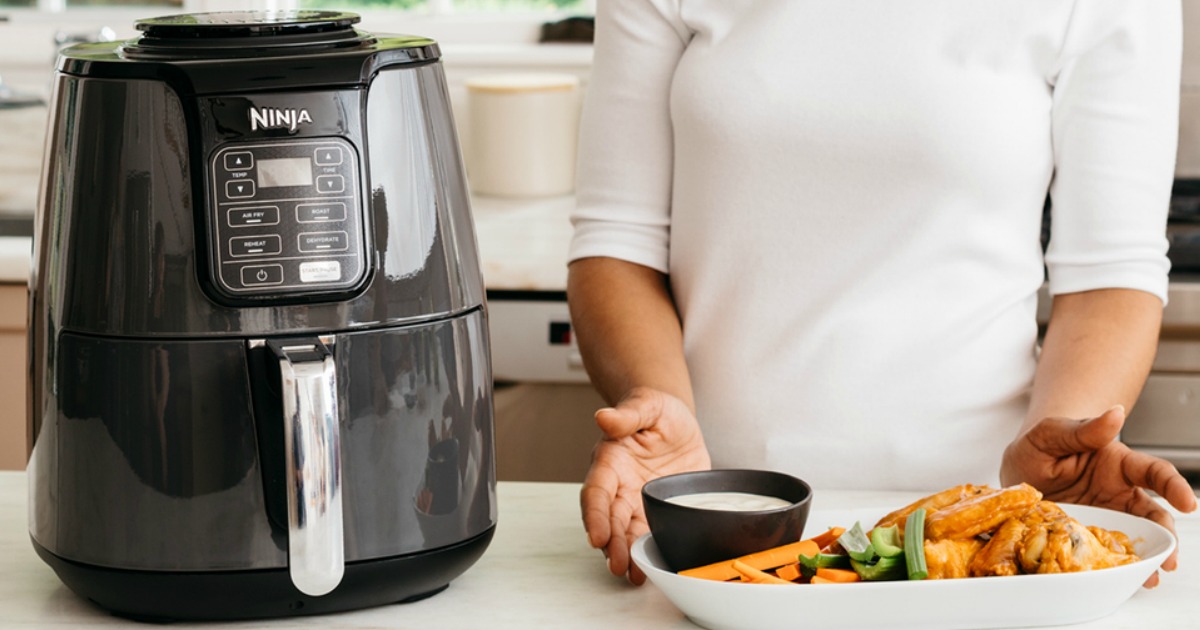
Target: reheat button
x: 268, y: 245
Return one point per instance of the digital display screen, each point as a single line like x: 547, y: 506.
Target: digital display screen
x: 285, y: 172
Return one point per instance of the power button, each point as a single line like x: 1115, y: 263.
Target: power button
x: 262, y: 275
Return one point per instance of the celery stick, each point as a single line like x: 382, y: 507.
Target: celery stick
x: 914, y: 545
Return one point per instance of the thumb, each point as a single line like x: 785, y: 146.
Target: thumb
x: 632, y: 414
x: 1061, y: 437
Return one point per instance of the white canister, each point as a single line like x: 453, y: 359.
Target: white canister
x: 523, y: 134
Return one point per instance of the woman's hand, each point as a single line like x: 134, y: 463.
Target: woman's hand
x: 647, y: 435
x: 1081, y: 461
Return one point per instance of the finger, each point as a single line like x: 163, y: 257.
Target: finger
x: 618, y: 544
x: 1162, y: 477
x: 633, y: 414
x: 595, y: 502
x: 636, y: 576
x: 1060, y: 437
x: 1151, y: 581
x: 637, y: 528
x: 1146, y: 507
x: 1094, y: 434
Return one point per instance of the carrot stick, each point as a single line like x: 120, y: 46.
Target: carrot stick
x: 789, y: 572
x: 826, y: 539
x: 767, y: 559
x: 838, y: 575
x: 754, y: 576
x: 820, y: 580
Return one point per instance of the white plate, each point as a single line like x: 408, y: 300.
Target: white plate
x: 993, y: 602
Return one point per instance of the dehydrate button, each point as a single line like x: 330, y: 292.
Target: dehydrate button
x: 311, y: 242
x: 262, y: 275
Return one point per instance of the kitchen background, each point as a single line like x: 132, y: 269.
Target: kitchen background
x: 509, y: 88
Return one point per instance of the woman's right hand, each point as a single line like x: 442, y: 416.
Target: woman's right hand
x: 647, y: 435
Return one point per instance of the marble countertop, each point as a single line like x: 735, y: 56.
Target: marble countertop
x: 538, y: 572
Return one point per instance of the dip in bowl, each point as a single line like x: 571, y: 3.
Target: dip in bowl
x: 698, y: 518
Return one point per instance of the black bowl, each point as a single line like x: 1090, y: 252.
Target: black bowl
x: 691, y: 537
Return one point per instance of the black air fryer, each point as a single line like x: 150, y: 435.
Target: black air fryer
x: 260, y: 382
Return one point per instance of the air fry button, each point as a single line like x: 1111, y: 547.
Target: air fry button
x: 242, y: 217
x: 262, y: 275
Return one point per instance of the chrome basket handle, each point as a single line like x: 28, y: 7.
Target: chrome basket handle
x: 316, y: 557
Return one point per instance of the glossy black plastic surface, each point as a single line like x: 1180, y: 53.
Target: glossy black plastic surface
x: 118, y: 242
x: 167, y: 455
x: 254, y: 65
x: 156, y: 597
x: 155, y: 412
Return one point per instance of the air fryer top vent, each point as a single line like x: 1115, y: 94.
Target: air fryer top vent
x: 245, y: 33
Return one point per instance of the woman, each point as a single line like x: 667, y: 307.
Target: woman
x: 807, y: 239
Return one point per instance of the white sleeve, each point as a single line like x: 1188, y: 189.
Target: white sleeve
x: 1115, y: 129
x: 624, y: 173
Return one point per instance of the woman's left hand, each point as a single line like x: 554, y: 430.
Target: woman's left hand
x: 1081, y: 461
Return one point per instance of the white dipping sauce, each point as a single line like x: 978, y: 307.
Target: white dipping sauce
x: 729, y: 501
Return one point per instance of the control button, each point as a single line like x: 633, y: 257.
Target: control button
x: 329, y: 156
x: 241, y: 217
x: 318, y: 212
x: 330, y: 184
x: 239, y: 161
x: 268, y: 245
x: 262, y: 275
x: 323, y: 242
x: 239, y: 189
x: 320, y: 271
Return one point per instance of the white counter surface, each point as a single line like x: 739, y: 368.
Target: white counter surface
x: 537, y: 573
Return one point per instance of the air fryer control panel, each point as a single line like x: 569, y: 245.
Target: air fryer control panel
x: 285, y: 217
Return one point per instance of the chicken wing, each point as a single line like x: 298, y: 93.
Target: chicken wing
x: 946, y: 559
x: 1071, y: 547
x: 931, y: 503
x: 982, y: 513
x: 1116, y: 541
x: 999, y: 555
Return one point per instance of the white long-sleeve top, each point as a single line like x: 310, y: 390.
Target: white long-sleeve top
x: 847, y: 196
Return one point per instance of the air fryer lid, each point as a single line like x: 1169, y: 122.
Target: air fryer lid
x: 245, y: 33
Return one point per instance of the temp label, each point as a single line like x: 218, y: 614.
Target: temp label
x: 321, y: 271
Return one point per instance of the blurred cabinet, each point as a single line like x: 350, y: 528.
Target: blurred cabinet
x: 12, y: 376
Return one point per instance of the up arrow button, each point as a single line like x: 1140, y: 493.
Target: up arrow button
x: 239, y: 161
x: 329, y: 156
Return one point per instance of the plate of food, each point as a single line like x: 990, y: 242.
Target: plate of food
x: 987, y: 558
